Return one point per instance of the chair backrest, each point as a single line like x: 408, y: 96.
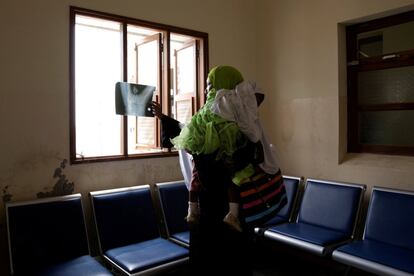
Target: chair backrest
x: 124, y: 216
x: 390, y: 217
x: 45, y: 231
x: 292, y: 189
x: 174, y: 205
x: 333, y: 205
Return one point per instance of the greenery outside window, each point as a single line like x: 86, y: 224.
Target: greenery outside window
x: 106, y: 49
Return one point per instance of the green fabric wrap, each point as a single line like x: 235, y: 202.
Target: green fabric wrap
x: 207, y: 132
x: 240, y: 176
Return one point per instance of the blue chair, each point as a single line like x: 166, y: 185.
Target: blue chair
x: 128, y: 233
x: 173, y: 198
x: 387, y: 246
x: 326, y: 219
x: 286, y: 214
x: 48, y: 237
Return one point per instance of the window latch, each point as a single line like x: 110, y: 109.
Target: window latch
x: 352, y: 63
x: 390, y: 56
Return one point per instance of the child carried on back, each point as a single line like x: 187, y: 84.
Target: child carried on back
x: 225, y: 124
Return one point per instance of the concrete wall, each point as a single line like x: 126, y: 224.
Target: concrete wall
x: 34, y: 97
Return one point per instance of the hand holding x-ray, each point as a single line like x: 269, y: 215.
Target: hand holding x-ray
x: 134, y: 99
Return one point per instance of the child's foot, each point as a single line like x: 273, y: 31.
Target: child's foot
x: 233, y: 222
x: 192, y: 218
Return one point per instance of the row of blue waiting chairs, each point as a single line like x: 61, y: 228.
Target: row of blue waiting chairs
x: 327, y: 217
x: 321, y: 217
x: 48, y: 236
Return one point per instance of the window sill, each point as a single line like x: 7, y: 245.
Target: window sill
x: 159, y: 154
x: 379, y: 160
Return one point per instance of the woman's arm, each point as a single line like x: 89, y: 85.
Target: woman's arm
x: 170, y: 127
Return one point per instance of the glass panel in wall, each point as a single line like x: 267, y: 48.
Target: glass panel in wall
x: 98, y: 66
x: 391, y: 39
x: 394, y: 85
x: 393, y: 128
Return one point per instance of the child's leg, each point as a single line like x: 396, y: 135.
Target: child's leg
x: 232, y: 217
x: 193, y: 196
x: 193, y: 209
x: 193, y: 204
x: 233, y: 193
x: 233, y: 200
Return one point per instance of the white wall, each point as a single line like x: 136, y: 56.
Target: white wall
x: 302, y: 68
x: 34, y: 97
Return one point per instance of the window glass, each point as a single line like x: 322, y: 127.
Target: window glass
x: 393, y: 128
x: 143, y: 68
x: 396, y: 38
x: 186, y: 69
x: 370, y: 45
x: 395, y: 85
x: 98, y: 67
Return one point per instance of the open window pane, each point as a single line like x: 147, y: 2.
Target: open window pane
x: 143, y: 68
x: 184, y: 54
x: 98, y: 66
x: 396, y: 38
x: 393, y: 128
x: 394, y: 85
x: 185, y: 58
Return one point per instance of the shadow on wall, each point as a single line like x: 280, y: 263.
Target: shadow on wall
x: 62, y: 186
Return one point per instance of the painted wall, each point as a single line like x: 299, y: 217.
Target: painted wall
x: 34, y: 97
x: 293, y: 48
x: 301, y: 64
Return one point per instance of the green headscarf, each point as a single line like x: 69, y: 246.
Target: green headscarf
x: 224, y: 77
x: 207, y: 132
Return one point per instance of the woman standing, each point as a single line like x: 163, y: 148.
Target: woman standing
x: 214, y: 247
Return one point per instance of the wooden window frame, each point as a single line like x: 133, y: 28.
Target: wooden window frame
x: 356, y: 65
x: 165, y: 78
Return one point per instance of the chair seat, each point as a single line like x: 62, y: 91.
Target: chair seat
x: 309, y: 233
x: 378, y: 252
x: 84, y: 265
x: 140, y: 256
x: 182, y: 236
x: 274, y: 221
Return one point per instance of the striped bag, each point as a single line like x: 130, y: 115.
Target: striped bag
x: 261, y: 198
